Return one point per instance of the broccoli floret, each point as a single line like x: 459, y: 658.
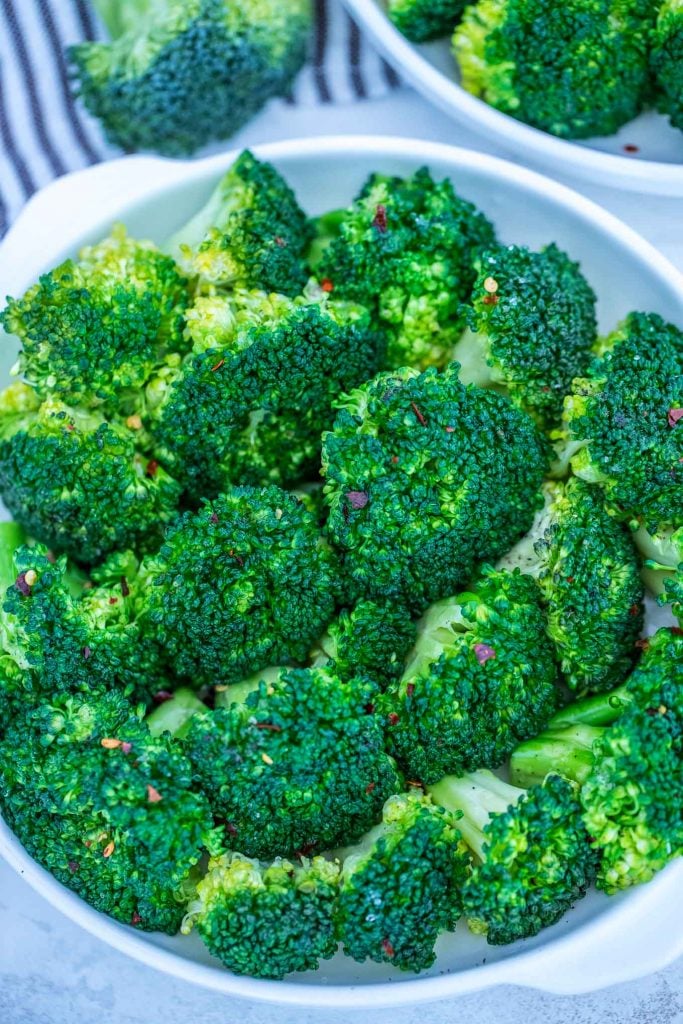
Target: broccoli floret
x: 291, y: 763
x: 588, y: 571
x: 108, y: 809
x: 250, y: 404
x: 252, y: 233
x: 623, y: 422
x: 666, y: 60
x: 575, y: 69
x: 266, y: 920
x: 371, y: 639
x: 96, y: 327
x: 406, y: 250
x: 245, y: 582
x: 532, y: 321
x: 482, y: 676
x: 77, y: 482
x: 631, y: 771
x: 422, y: 20
x: 400, y: 886
x: 534, y: 856
x: 178, y: 74
x: 424, y: 478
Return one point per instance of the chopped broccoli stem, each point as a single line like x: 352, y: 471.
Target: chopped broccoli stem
x: 174, y: 715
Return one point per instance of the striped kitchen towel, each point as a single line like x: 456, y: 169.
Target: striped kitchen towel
x: 44, y: 132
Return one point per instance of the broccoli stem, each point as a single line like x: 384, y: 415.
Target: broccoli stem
x: 237, y: 693
x: 175, y: 715
x: 568, y: 752
x: 12, y: 536
x: 435, y: 631
x: 119, y: 16
x: 603, y: 709
x: 470, y: 353
x: 479, y: 795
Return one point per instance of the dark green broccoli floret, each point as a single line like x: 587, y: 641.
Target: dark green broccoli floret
x: 623, y: 423
x: 252, y: 233
x: 401, y: 885
x: 178, y: 74
x: 422, y: 20
x: 574, y: 69
x: 96, y: 327
x: 534, y: 856
x: 631, y: 771
x: 588, y: 571
x: 666, y: 60
x: 371, y: 639
x: 424, y: 478
x: 266, y: 920
x: 108, y: 809
x: 481, y: 677
x: 294, y: 763
x: 77, y: 482
x: 406, y: 250
x: 250, y: 404
x: 533, y: 324
x: 245, y: 582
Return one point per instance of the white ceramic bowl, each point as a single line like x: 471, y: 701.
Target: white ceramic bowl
x: 656, y: 167
x: 602, y: 941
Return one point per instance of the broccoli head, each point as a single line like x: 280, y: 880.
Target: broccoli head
x: 96, y: 327
x: 77, y: 482
x: 481, y: 678
x: 406, y: 249
x: 424, y: 478
x: 534, y: 858
x: 266, y: 920
x: 422, y: 20
x: 371, y: 639
x: 574, y: 69
x: 178, y: 74
x: 533, y: 324
x: 400, y: 886
x: 666, y: 60
x: 588, y: 572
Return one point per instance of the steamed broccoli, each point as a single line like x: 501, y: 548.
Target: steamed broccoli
x: 371, y: 639
x: 178, y: 74
x: 406, y: 250
x: 108, y: 809
x: 246, y: 581
x: 251, y: 233
x: 481, y: 677
x: 575, y: 69
x: 291, y: 763
x: 666, y: 60
x: 532, y: 321
x: 424, y: 478
x: 400, y: 886
x: 422, y: 20
x: 589, y: 575
x: 266, y: 920
x: 96, y: 327
x: 534, y: 858
x: 77, y: 482
x: 631, y: 771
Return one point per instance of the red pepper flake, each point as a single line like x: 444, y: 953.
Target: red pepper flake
x: 51, y: 557
x: 22, y: 584
x: 450, y: 430
x: 87, y: 652
x: 643, y: 643
x: 394, y: 459
x: 88, y: 843
x: 126, y: 747
x: 73, y: 866
x: 113, y: 600
x: 676, y: 630
x: 327, y: 285
x: 630, y: 147
x: 674, y: 415
x: 125, y: 589
x: 418, y: 413
x: 110, y: 743
x: 108, y: 850
x: 570, y: 579
x: 634, y: 610
x: 490, y: 300
x: 483, y: 653
x: 410, y: 689
x: 70, y: 427
x: 216, y: 368
x: 370, y: 787
x: 213, y: 517
x: 152, y: 469
x: 380, y: 220
x: 161, y: 696
x: 369, y: 709
x: 230, y: 828
x: 652, y: 712
x: 135, y: 919
x: 153, y: 795
x: 238, y: 558
x: 357, y: 499
x: 392, y: 717
x: 268, y: 725
x: 280, y: 241
x: 388, y: 948
x: 304, y: 850
x: 414, y: 783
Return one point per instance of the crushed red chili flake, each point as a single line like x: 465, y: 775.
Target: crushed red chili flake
x: 126, y: 747
x: 357, y: 499
x: 113, y: 600
x: 125, y: 589
x: 380, y: 219
x: 450, y: 430
x: 651, y: 712
x: 21, y: 585
x: 410, y: 689
x: 108, y: 850
x: 483, y: 653
x: 87, y: 652
x: 634, y: 609
x: 674, y: 415
x: 73, y: 866
x: 135, y: 919
x: 110, y: 743
x: 268, y: 725
x: 642, y: 644
x: 326, y: 285
x: 230, y: 828
x: 387, y: 947
x: 51, y: 557
x: 392, y: 717
x: 280, y: 241
x: 153, y: 794
x: 369, y: 709
x: 676, y: 630
x: 414, y: 783
x: 394, y: 459
x: 70, y: 427
x: 570, y: 579
x: 152, y: 469
x: 217, y: 366
x: 370, y: 787
x: 238, y: 558
x: 419, y: 414
x: 161, y: 696
x: 630, y: 147
x: 213, y: 517
x: 490, y: 300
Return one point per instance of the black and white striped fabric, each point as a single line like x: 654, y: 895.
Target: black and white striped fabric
x: 45, y: 133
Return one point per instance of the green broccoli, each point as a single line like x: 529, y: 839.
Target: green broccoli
x: 251, y: 233
x: 400, y: 886
x: 406, y: 250
x: 371, y: 639
x: 534, y: 858
x: 178, y: 74
x: 422, y: 20
x: 266, y: 920
x: 424, y: 478
x: 482, y: 676
x: 96, y: 327
x: 627, y: 755
x: 292, y: 762
x: 575, y: 69
x: 108, y: 809
x: 666, y: 60
x: 246, y: 581
x: 588, y: 572
x: 532, y: 321
x: 77, y: 482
